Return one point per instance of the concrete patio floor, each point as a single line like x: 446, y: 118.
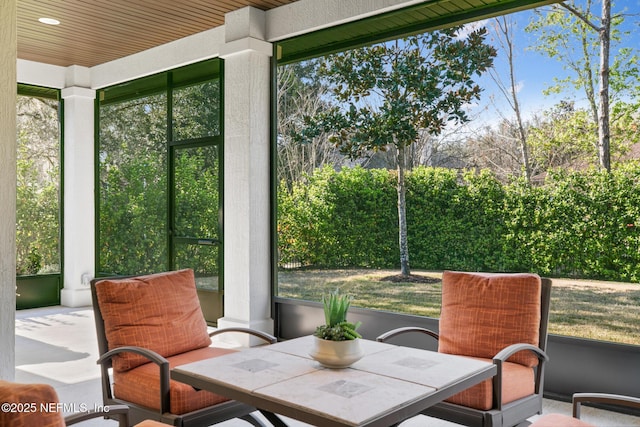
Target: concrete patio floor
x: 57, y: 346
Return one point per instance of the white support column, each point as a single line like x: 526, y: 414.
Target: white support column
x: 247, y: 251
x: 79, y: 206
x: 8, y: 90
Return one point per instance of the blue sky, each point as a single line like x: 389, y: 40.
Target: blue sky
x: 535, y: 72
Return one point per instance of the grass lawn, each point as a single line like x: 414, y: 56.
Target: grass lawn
x: 607, y: 311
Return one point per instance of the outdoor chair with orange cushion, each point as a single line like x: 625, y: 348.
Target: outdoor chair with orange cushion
x: 147, y: 325
x: 500, y: 317
x: 560, y: 420
x: 37, y: 405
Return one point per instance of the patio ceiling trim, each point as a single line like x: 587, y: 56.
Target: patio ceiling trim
x: 428, y: 16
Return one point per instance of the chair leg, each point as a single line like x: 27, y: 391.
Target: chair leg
x: 251, y: 419
x: 273, y: 419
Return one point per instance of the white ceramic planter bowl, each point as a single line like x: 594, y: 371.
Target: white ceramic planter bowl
x: 336, y: 354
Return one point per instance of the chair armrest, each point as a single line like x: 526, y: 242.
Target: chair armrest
x: 506, y: 353
x: 509, y: 351
x: 610, y: 399
x: 163, y: 365
x: 262, y: 335
x: 149, y: 354
x: 394, y: 332
x: 121, y: 410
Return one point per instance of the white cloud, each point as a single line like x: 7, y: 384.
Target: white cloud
x: 519, y: 87
x: 471, y: 27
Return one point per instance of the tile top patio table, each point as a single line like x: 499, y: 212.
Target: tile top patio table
x: 388, y: 385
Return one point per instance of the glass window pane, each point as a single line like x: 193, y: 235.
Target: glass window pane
x: 203, y: 259
x: 488, y: 199
x: 197, y: 213
x: 196, y: 187
x: 133, y: 186
x: 196, y: 111
x: 38, y: 177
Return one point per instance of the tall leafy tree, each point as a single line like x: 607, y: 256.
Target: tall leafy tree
x: 579, y: 34
x: 300, y: 93
x: 508, y: 87
x: 38, y: 177
x: 556, y: 137
x: 391, y: 92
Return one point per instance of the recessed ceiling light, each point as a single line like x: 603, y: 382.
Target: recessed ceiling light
x: 49, y: 21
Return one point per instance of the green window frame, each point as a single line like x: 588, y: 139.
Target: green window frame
x: 167, y: 84
x: 419, y: 18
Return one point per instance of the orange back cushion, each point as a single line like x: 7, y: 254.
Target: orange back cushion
x: 483, y: 312
x: 21, y: 405
x: 160, y: 312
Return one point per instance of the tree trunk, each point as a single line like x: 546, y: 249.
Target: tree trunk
x: 504, y: 31
x: 402, y: 213
x: 522, y: 135
x: 604, y: 152
x: 600, y: 112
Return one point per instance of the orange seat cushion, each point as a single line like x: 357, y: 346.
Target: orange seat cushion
x: 150, y: 423
x: 517, y: 382
x: 482, y: 313
x: 24, y: 408
x: 559, y: 420
x: 160, y: 312
x: 141, y: 385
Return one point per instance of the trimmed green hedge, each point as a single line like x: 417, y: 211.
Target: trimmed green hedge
x: 578, y: 224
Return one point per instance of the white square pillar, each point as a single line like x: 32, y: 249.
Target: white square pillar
x: 79, y: 206
x: 247, y: 248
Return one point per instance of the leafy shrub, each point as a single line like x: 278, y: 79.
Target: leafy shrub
x: 578, y: 224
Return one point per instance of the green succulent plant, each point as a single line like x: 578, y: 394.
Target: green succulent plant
x: 336, y: 327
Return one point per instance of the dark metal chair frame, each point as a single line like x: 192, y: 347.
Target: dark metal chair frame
x: 137, y: 413
x: 603, y: 399
x: 501, y: 415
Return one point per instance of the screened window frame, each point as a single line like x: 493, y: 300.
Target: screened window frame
x: 366, y: 32
x: 54, y: 94
x: 166, y: 82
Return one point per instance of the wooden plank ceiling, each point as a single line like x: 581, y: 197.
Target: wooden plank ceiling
x: 95, y: 32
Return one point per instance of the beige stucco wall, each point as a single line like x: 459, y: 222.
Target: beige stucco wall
x: 7, y: 187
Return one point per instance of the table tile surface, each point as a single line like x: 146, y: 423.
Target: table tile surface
x: 386, y: 379
x: 238, y: 370
x: 422, y: 367
x: 347, y: 395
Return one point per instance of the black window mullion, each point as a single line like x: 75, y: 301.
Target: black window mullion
x: 171, y: 213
